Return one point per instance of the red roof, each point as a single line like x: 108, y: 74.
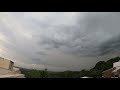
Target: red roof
x: 109, y: 69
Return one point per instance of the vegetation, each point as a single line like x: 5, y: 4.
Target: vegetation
x: 95, y: 72
x: 102, y: 66
x: 35, y: 73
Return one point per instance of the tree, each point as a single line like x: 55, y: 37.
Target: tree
x: 68, y: 74
x: 83, y: 73
x: 44, y: 73
x: 101, y: 65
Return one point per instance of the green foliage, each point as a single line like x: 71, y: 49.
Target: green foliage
x: 111, y: 61
x: 102, y: 66
x: 83, y: 73
x: 95, y: 72
x: 35, y: 73
x: 44, y: 74
x: 68, y: 74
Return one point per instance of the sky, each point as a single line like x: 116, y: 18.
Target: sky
x: 59, y: 41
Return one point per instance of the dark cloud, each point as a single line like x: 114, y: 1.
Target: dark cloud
x: 110, y: 46
x: 91, y: 36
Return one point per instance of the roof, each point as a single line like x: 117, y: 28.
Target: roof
x: 5, y: 71
x: 117, y: 68
x: 10, y: 74
x: 109, y: 69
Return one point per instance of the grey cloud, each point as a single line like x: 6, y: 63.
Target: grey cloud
x: 87, y: 35
x: 36, y: 60
x: 111, y: 45
x: 41, y: 53
x: 95, y: 34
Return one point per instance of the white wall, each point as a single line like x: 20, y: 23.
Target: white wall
x: 4, y: 63
x: 116, y: 64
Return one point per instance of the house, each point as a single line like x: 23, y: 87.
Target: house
x: 7, y: 69
x: 6, y: 64
x: 108, y: 73
x: 113, y: 72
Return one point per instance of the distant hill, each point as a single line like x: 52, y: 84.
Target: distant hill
x: 102, y: 66
x: 95, y: 72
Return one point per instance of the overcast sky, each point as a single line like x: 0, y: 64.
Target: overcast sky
x: 59, y: 40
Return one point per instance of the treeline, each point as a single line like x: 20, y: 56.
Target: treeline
x: 95, y: 72
x: 32, y: 73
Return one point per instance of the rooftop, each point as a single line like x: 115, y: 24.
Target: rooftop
x: 12, y: 76
x: 4, y: 73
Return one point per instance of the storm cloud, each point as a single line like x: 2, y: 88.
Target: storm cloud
x: 59, y: 40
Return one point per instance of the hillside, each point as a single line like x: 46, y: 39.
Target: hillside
x: 95, y: 72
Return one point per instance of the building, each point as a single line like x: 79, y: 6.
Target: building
x: 6, y: 64
x: 116, y: 64
x: 108, y: 73
x: 112, y: 72
x: 7, y: 69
